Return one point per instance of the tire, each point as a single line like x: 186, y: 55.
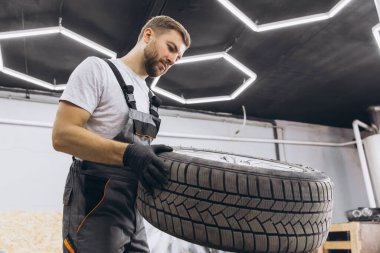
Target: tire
x: 241, y: 208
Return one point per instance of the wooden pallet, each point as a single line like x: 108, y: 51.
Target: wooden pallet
x: 355, y: 237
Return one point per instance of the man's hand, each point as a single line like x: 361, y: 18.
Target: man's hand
x: 151, y: 171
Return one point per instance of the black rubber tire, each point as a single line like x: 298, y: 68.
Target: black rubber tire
x: 241, y: 208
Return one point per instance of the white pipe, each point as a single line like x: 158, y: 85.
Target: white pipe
x: 244, y: 120
x: 221, y: 138
x: 35, y: 97
x: 363, y: 160
x: 196, y: 136
x: 25, y: 123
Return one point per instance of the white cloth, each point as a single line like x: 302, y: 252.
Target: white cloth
x: 93, y: 87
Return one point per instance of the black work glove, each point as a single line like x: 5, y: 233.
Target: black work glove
x: 151, y: 171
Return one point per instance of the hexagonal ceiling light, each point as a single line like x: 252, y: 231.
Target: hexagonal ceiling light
x: 376, y: 28
x: 41, y: 32
x: 206, y: 57
x: 283, y: 23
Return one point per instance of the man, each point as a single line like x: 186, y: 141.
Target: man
x: 106, y: 119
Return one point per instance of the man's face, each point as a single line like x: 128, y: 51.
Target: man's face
x: 162, y: 51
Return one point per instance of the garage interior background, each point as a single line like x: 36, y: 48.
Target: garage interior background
x: 313, y: 80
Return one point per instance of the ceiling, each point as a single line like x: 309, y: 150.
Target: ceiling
x: 326, y: 72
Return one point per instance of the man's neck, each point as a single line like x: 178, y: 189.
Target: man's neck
x: 135, y: 61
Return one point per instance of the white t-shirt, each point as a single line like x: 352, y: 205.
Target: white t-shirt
x: 93, y: 87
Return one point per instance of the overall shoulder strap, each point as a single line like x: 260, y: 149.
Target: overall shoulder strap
x: 155, y: 102
x: 127, y: 89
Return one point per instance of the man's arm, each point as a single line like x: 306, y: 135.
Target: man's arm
x: 69, y: 136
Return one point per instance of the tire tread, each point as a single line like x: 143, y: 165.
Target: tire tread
x: 232, y: 210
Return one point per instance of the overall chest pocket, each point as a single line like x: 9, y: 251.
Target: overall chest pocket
x: 144, y: 124
x: 140, y: 128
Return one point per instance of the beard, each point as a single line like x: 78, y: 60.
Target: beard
x: 151, y: 61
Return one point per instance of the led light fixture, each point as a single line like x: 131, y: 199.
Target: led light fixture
x: 338, y: 7
x: 207, y: 57
x: 377, y: 4
x: 202, y: 57
x: 292, y: 22
x: 29, y: 33
x: 1, y: 60
x: 57, y: 29
x: 207, y: 99
x: 27, y: 78
x: 167, y: 93
x: 242, y: 87
x: 376, y: 28
x: 283, y: 23
x: 376, y: 34
x: 46, y: 31
x: 87, y: 42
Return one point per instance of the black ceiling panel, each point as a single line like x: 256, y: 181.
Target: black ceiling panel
x: 210, y: 27
x: 113, y: 24
x: 20, y: 14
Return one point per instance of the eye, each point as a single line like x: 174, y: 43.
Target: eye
x: 171, y: 48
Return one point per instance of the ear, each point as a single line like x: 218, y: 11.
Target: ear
x: 148, y: 35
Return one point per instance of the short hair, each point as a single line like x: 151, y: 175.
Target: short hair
x: 161, y: 23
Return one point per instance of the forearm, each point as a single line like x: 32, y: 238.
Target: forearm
x: 80, y: 142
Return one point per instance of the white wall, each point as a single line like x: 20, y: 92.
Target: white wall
x: 32, y: 174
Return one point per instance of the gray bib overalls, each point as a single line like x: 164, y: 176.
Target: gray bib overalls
x: 99, y: 214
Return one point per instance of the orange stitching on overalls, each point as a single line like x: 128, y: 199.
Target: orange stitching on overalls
x: 68, y: 246
x: 93, y: 210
